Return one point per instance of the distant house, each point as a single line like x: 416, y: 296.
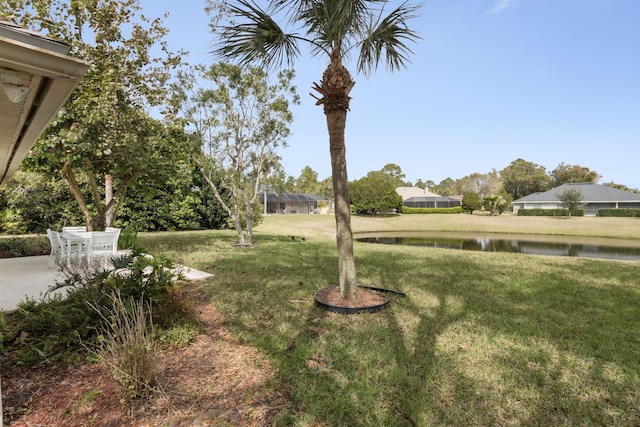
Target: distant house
x: 594, y: 198
x: 284, y: 202
x: 414, y: 197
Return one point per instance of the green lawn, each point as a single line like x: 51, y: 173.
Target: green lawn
x: 481, y: 338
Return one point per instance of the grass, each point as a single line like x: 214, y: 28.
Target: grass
x: 481, y: 338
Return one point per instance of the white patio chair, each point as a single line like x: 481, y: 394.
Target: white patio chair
x: 58, y: 248
x: 61, y: 250
x: 117, y: 231
x: 103, y: 245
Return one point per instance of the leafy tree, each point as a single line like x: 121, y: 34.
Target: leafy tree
x: 240, y: 120
x: 571, y: 199
x: 171, y: 204
x: 621, y: 187
x: 567, y: 174
x: 277, y: 178
x: 103, y: 134
x: 307, y: 182
x: 471, y: 201
x: 420, y: 184
x: 522, y: 178
x: 494, y: 203
x: 325, y: 188
x: 375, y: 192
x: 395, y: 172
x: 333, y: 29
x: 446, y: 187
x: 484, y: 184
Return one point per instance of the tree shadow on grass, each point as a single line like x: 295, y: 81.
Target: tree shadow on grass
x: 469, y: 344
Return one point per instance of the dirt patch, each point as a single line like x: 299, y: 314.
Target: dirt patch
x: 364, y: 298
x: 215, y: 381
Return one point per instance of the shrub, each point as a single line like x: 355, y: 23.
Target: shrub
x: 24, y: 246
x: 549, y: 212
x: 454, y: 210
x: 52, y: 325
x: 471, y: 201
x: 626, y: 212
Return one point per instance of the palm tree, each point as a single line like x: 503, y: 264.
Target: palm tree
x: 335, y: 28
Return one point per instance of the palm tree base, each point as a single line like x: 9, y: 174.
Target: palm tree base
x: 368, y: 300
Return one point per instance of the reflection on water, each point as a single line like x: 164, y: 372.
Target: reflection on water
x: 518, y: 245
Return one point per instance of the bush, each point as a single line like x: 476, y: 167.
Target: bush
x: 24, y: 246
x: 549, y: 212
x: 454, y: 210
x: 628, y: 212
x: 471, y: 201
x: 52, y: 325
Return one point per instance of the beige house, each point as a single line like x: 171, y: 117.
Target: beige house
x: 409, y: 192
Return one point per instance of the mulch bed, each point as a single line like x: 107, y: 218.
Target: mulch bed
x: 214, y: 381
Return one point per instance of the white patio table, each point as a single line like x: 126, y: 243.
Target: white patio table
x: 77, y: 242
x: 91, y: 244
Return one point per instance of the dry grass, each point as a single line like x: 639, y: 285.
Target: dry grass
x: 324, y: 225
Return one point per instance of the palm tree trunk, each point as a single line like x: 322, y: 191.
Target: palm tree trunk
x: 336, y: 122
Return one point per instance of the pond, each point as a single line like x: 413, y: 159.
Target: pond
x: 597, y: 247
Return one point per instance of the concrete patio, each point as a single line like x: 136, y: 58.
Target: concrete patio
x: 31, y: 277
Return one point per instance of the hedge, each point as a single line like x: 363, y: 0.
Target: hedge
x: 627, y: 212
x: 549, y: 212
x: 454, y: 210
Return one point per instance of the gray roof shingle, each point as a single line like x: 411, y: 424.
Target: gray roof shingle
x: 590, y: 193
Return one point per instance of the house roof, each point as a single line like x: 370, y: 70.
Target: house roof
x: 285, y: 196
x: 591, y: 193
x: 36, y: 79
x: 409, y: 192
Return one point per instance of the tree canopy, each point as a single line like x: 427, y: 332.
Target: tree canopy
x: 571, y: 174
x: 471, y: 201
x: 375, y: 192
x: 240, y: 120
x: 522, y: 178
x: 104, y: 130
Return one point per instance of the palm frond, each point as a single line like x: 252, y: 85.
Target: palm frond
x: 333, y: 24
x: 256, y: 38
x: 389, y: 38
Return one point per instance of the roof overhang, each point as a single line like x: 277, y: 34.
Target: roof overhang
x: 36, y: 79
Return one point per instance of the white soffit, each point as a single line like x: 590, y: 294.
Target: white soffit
x: 39, y: 76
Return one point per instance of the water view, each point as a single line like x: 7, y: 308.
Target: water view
x: 628, y: 250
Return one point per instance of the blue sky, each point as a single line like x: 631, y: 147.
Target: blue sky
x: 491, y: 81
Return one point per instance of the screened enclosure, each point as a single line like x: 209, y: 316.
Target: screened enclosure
x: 291, y: 203
x: 431, y: 202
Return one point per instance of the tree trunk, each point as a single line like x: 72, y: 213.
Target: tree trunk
x: 336, y: 122
x: 335, y: 87
x: 66, y: 173
x: 108, y: 195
